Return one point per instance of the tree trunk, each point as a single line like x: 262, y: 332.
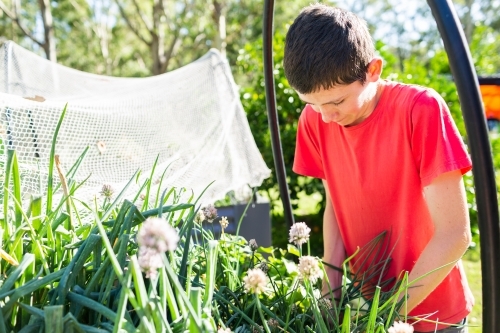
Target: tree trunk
x: 468, y: 20
x: 49, y: 44
x: 103, y: 35
x: 219, y: 18
x: 158, y: 39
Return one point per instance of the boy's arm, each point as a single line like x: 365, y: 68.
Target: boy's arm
x: 447, y: 203
x: 334, y: 250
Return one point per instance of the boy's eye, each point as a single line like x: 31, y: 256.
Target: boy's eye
x: 337, y: 104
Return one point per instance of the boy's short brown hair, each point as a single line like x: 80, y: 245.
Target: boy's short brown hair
x: 326, y: 46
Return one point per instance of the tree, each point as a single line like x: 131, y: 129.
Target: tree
x: 48, y: 43
x: 164, y: 27
x: 88, y: 38
x: 219, y: 8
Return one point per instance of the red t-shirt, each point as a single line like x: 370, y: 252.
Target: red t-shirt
x: 376, y: 172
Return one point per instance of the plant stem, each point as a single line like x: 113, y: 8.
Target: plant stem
x: 264, y: 322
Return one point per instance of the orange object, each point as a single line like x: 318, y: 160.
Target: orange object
x: 490, y: 92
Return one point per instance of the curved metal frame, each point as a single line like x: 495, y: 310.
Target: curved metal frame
x: 484, y: 174
x: 475, y: 122
x: 279, y: 164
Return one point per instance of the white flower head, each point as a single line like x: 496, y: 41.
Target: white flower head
x: 273, y: 323
x: 263, y: 266
x: 224, y: 330
x: 400, y: 327
x: 253, y: 245
x: 149, y: 261
x: 157, y: 234
x: 257, y: 329
x: 199, y: 217
x: 155, y: 237
x: 325, y: 303
x: 224, y: 222
x: 107, y: 191
x: 255, y: 281
x: 309, y: 269
x: 299, y: 233
x: 210, y: 213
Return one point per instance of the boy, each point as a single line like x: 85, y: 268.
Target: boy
x: 391, y: 160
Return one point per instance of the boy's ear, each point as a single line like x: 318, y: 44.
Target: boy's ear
x: 374, y: 70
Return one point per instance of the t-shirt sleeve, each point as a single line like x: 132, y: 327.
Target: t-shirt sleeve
x: 436, y: 142
x: 307, y: 161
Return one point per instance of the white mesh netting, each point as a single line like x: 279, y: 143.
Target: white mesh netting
x: 191, y: 119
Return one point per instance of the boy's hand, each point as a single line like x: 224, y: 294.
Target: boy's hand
x: 359, y: 303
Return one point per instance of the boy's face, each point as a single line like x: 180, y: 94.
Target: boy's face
x: 346, y: 105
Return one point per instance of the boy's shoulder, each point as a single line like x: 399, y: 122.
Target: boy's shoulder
x: 408, y: 88
x: 410, y: 94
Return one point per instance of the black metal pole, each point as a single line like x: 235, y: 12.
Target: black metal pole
x: 484, y: 175
x: 272, y: 114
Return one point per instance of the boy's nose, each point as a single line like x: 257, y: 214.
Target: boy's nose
x: 327, y: 114
x: 327, y: 118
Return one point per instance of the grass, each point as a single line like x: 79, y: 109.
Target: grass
x: 472, y: 265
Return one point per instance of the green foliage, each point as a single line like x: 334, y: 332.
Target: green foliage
x: 62, y: 273
x: 485, y: 49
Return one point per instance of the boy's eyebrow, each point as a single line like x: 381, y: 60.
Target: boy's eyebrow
x: 336, y: 101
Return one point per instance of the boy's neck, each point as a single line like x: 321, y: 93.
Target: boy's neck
x: 372, y: 102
